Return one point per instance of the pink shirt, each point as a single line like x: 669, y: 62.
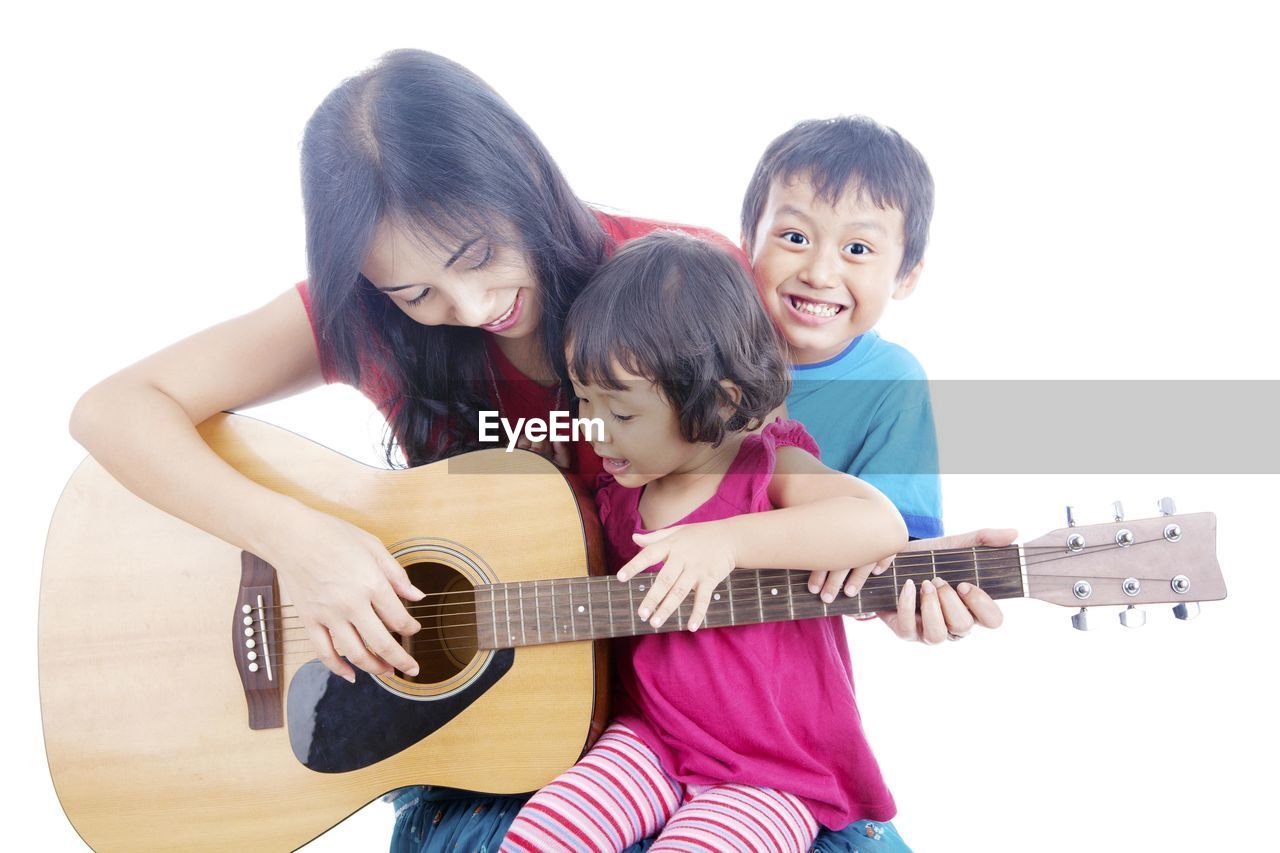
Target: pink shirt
x: 769, y: 705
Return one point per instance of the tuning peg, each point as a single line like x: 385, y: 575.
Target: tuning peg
x: 1118, y: 510
x: 1071, y: 517
x: 1132, y: 617
x: 1187, y: 610
x: 1166, y: 506
x: 1080, y: 621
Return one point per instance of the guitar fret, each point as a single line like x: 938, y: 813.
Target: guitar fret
x: 591, y: 619
x: 493, y: 606
x: 555, y: 619
x: 573, y: 623
x: 520, y: 592
x: 733, y: 619
x: 974, y: 556
x: 538, y: 612
x: 506, y: 604
x: 759, y: 596
x: 608, y: 592
x: 791, y: 605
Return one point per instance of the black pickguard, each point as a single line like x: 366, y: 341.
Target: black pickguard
x: 337, y: 727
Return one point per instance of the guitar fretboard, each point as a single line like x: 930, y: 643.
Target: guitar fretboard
x: 561, y: 610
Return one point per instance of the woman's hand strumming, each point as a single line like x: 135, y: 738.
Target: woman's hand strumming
x: 346, y: 590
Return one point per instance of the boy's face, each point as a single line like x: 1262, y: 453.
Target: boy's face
x: 826, y: 274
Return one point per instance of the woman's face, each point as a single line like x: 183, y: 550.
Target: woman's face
x: 484, y: 281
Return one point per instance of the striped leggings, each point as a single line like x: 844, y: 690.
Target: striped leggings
x: 618, y: 793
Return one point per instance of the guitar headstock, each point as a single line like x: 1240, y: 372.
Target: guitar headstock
x: 1169, y: 559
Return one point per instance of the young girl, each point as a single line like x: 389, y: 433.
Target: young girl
x: 723, y: 737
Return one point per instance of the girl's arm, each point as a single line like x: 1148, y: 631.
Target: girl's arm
x: 824, y: 520
x: 140, y: 424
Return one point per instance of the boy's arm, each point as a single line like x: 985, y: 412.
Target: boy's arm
x: 824, y: 519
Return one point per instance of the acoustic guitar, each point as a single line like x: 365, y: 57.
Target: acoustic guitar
x: 184, y: 710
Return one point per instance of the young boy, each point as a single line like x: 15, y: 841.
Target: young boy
x: 835, y: 222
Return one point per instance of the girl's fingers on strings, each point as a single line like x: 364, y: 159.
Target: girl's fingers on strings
x: 657, y: 592
x: 701, y: 601
x: 856, y: 578
x: 831, y: 588
x: 680, y: 589
x: 648, y: 556
x: 816, y: 580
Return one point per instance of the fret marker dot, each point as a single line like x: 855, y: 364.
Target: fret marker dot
x: 773, y: 591
x: 581, y: 609
x: 642, y: 587
x: 716, y: 596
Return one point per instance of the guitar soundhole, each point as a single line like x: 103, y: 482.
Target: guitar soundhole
x: 447, y: 641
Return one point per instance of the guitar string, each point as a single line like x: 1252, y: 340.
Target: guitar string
x: 472, y: 636
x: 992, y: 558
x: 908, y: 560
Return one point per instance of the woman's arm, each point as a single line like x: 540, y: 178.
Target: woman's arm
x: 824, y: 519
x: 140, y: 424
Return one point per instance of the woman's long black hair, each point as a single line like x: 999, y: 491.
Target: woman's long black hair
x: 422, y: 142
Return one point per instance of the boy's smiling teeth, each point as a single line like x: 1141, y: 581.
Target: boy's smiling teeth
x: 817, y: 309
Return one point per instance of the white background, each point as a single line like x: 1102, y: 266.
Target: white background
x: 1106, y: 209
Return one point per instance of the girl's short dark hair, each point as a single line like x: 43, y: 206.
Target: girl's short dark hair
x: 849, y: 154
x: 684, y: 314
x: 423, y: 143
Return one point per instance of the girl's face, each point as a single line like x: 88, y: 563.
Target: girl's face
x: 642, y: 440
x: 481, y: 282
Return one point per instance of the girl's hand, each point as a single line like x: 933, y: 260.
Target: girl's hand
x: 946, y: 613
x: 698, y: 557
x: 346, y: 589
x: 828, y: 583
x: 556, y: 451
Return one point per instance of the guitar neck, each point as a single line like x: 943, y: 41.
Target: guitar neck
x: 562, y: 610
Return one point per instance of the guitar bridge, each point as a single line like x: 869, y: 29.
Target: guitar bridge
x: 256, y: 642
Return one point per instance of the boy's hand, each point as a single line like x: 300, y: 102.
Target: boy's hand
x: 946, y: 613
x: 698, y: 557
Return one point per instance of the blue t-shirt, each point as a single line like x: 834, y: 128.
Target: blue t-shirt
x: 869, y: 410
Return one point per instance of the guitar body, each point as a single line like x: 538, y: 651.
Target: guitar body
x: 159, y: 737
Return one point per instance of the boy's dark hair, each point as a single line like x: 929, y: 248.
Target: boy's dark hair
x: 849, y: 153
x: 684, y: 314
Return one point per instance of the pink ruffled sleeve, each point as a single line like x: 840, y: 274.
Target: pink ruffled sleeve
x: 779, y: 434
